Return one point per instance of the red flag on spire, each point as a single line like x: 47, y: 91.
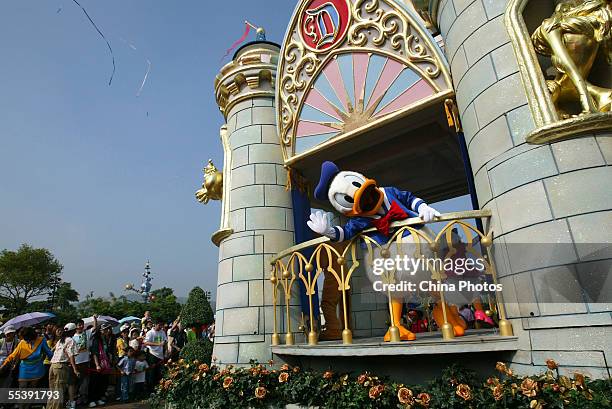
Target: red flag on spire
x: 247, y: 30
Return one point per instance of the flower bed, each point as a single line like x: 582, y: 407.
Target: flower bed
x: 193, y: 385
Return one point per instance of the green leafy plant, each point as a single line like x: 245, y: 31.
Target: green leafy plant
x: 197, y: 311
x: 189, y: 384
x: 199, y: 350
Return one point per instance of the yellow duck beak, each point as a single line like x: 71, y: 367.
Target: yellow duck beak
x: 367, y: 201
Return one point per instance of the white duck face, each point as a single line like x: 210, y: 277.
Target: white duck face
x: 352, y: 194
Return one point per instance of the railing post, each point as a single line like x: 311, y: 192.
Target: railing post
x: 274, y: 281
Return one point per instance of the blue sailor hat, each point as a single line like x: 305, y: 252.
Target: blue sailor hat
x: 329, y: 170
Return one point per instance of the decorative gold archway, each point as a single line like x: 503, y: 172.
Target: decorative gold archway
x: 379, y: 28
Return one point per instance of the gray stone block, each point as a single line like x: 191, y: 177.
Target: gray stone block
x: 494, y: 8
x: 464, y: 25
x: 570, y: 358
x: 265, y: 153
x: 520, y: 121
x: 243, y: 176
x: 263, y: 102
x: 460, y: 5
x: 523, y: 206
x: 247, y: 196
x: 264, y: 116
x: 245, y: 136
x: 276, y: 241
x: 526, y: 297
x: 459, y: 66
x: 504, y: 60
x: 592, y: 234
x: 568, y: 321
x: 265, y: 173
x: 240, y: 157
x: 225, y: 271
x: 469, y: 123
x: 256, y: 292
x: 483, y: 186
x: 233, y: 295
x: 447, y: 17
x: 269, y: 134
x: 238, y: 220
x: 596, y: 280
x: 568, y: 339
x: 539, y: 246
x: 501, y: 97
x: 486, y: 39
x: 581, y: 191
x: 490, y: 142
x: 558, y: 291
x: 289, y: 220
x: 281, y: 175
x: 479, y: 77
x: 249, y: 267
x: 523, y: 168
x: 226, y: 353
x: 605, y: 144
x: 577, y: 153
x: 276, y: 195
x: 243, y: 118
x: 231, y: 123
x: 258, y: 218
x: 236, y: 247
x: 241, y: 321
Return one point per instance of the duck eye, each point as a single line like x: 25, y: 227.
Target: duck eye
x: 348, y: 198
x: 357, y: 184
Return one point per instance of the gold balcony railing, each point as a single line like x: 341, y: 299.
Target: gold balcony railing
x: 291, y: 265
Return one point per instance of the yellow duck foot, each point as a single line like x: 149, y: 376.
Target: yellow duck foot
x: 405, y: 335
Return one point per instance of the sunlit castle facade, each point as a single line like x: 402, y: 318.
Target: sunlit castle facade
x: 502, y: 105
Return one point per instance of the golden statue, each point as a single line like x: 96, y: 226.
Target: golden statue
x: 212, y: 188
x: 573, y: 36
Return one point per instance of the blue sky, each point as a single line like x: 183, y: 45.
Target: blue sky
x: 101, y: 177
x: 86, y: 172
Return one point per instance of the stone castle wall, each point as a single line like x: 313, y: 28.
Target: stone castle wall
x: 553, y: 193
x: 261, y: 218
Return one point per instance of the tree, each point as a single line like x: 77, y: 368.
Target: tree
x: 163, y: 305
x: 197, y: 311
x: 26, y: 274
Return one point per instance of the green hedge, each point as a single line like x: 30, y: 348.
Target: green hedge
x: 199, y: 350
x: 193, y: 384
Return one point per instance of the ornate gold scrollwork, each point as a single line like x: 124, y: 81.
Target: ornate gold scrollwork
x: 212, y: 187
x: 376, y: 26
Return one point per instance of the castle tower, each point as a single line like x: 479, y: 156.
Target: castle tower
x: 257, y: 219
x: 550, y: 201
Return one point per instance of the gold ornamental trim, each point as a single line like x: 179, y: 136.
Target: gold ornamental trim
x: 252, y: 74
x: 380, y: 27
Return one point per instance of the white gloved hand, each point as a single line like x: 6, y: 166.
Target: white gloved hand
x: 427, y: 213
x: 319, y: 223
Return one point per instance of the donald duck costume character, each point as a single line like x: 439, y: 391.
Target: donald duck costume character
x: 366, y: 205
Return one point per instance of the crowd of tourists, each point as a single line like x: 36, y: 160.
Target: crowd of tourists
x: 91, y: 364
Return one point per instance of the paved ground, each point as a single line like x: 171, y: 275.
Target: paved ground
x: 135, y: 405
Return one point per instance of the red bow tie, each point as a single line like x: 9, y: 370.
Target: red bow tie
x: 394, y: 213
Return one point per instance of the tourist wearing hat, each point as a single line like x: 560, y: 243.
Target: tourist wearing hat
x: 135, y: 338
x: 103, y: 350
x: 123, y: 340
x: 82, y: 339
x: 7, y: 346
x: 63, y: 371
